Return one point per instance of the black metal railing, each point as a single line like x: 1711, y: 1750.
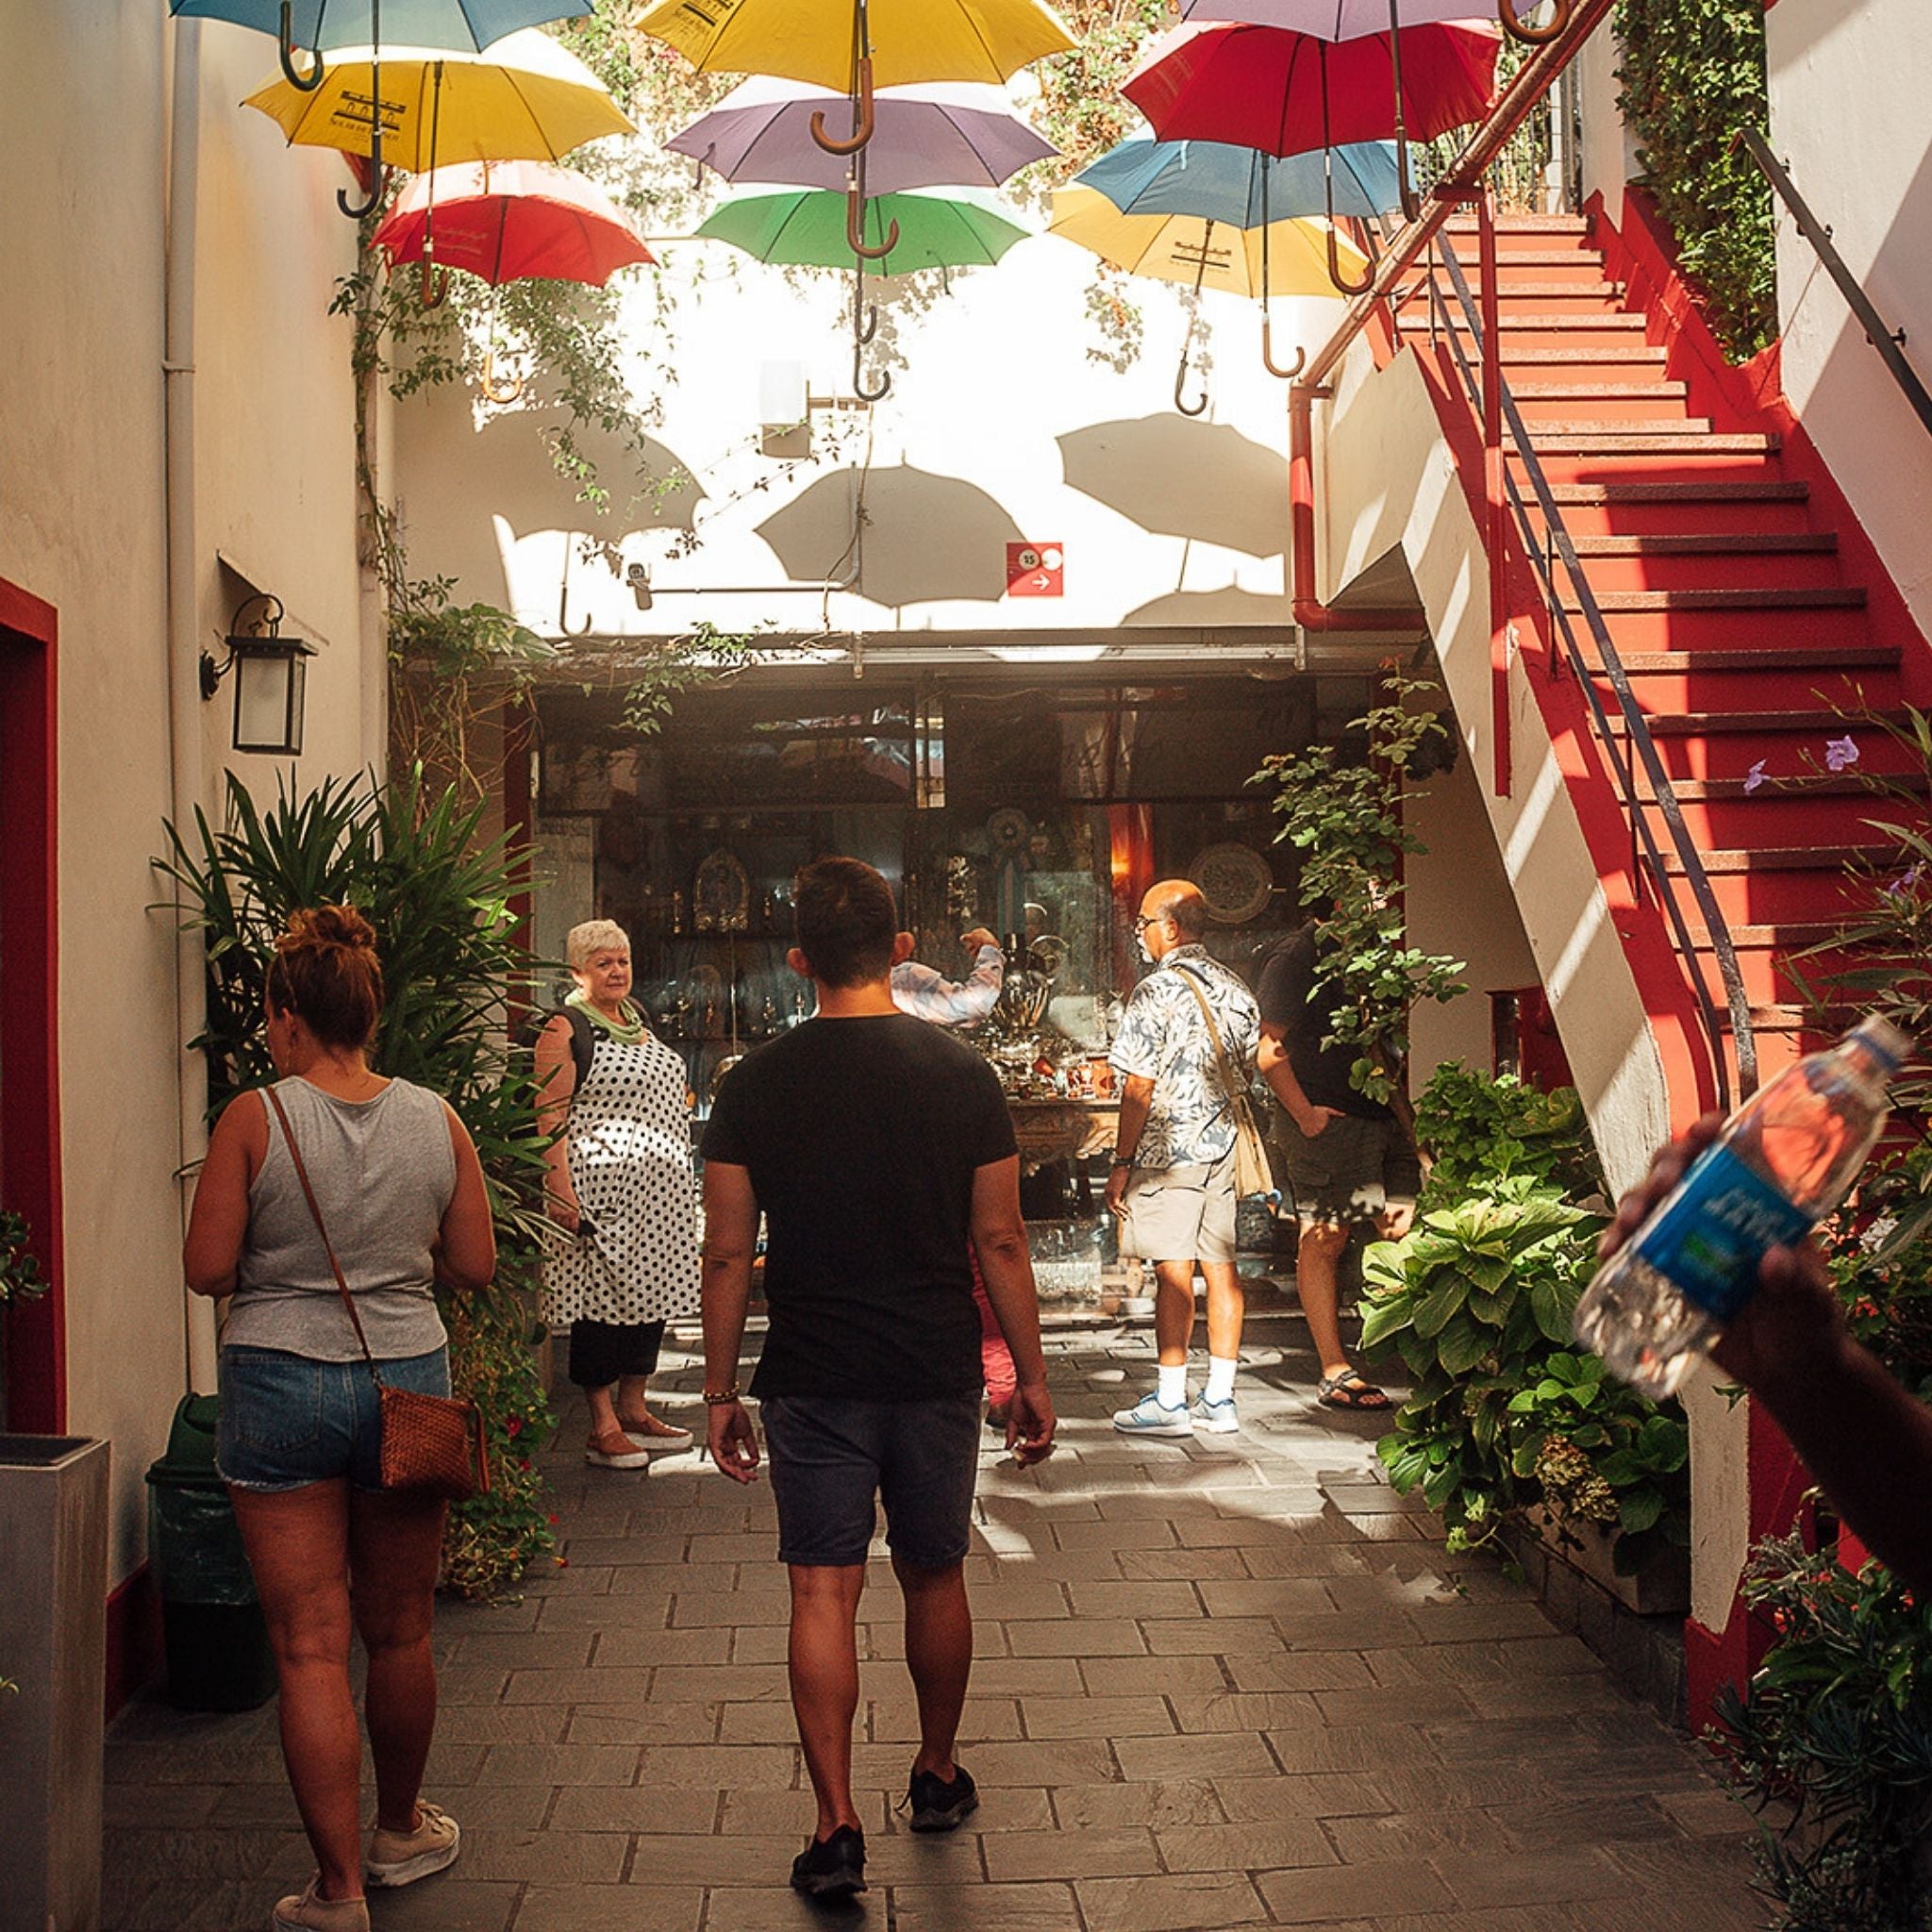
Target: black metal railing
x: 1888, y: 342
x: 1637, y: 747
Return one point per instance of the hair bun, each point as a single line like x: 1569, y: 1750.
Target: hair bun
x: 329, y: 926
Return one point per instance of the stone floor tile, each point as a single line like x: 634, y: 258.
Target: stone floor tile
x: 640, y: 1647
x: 1177, y: 1565
x: 1372, y: 1748
x: 1070, y: 1854
x: 1040, y: 1907
x: 502, y: 1724
x: 1210, y: 1901
x: 1115, y: 1536
x: 1151, y: 1677
x: 1254, y: 1710
x: 605, y: 1908
x: 1329, y: 1630
x: 1089, y: 1637
x: 1031, y: 1677
x: 1482, y: 1881
x: 559, y: 1689
x: 1301, y: 1795
x: 1334, y: 1894
x: 1548, y: 1825
x: 717, y: 1860
x: 1451, y: 1831
x: 934, y: 1857
x: 1098, y: 1717
x: 751, y: 1766
x: 791, y: 1813
x: 1252, y: 1845
x: 721, y: 1684
x: 1160, y: 1803
x: 561, y: 1764
x: 569, y: 1857
x: 1271, y: 1596
x: 1524, y: 1697
x: 772, y: 1905
x: 701, y: 1609
x: 1399, y: 1704
x: 1212, y: 1635
x: 451, y: 1902
x: 984, y: 1720
x: 1210, y: 1754
x: 1706, y: 1813
x: 1299, y: 1670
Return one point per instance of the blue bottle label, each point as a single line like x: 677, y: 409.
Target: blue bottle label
x: 1711, y: 1234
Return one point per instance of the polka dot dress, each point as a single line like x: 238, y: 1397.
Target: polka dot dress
x: 629, y: 1141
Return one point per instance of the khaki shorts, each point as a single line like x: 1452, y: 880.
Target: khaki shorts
x: 1356, y: 1168
x: 1180, y: 1213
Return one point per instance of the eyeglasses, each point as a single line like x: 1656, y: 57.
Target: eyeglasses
x: 1147, y: 919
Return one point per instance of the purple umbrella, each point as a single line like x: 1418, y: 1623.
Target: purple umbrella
x: 937, y: 135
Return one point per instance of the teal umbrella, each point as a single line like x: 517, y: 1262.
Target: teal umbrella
x: 892, y: 233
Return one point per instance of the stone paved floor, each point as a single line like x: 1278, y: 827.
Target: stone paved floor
x: 1222, y: 1683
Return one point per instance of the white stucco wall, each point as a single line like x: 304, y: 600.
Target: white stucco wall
x: 1849, y: 84
x: 84, y: 94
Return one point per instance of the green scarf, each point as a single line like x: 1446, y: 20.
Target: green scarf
x: 630, y: 1029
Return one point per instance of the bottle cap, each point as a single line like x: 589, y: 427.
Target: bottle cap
x: 1884, y: 1042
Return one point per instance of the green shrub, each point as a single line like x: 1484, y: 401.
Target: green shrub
x: 1479, y: 1128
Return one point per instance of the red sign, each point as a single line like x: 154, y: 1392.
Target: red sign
x: 1035, y: 570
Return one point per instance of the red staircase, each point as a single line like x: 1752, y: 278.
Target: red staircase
x: 1724, y: 583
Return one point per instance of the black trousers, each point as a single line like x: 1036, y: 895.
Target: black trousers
x: 600, y: 1352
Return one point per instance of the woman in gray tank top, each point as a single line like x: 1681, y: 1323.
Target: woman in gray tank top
x: 402, y: 1196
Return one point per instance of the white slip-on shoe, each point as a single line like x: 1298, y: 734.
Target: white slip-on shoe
x: 401, y: 1858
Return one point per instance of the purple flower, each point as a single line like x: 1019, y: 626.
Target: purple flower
x: 1907, y: 882
x: 1840, y: 753
x: 1753, y: 777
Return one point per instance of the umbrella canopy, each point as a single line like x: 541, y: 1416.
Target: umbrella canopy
x: 508, y: 220
x: 1204, y: 254
x: 812, y: 39
x: 1289, y: 94
x: 942, y: 135
x: 1176, y: 478
x: 1243, y: 186
x: 529, y: 100
x: 1329, y: 20
x: 805, y: 227
x: 466, y: 26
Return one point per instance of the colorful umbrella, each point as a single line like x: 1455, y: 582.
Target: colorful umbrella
x: 1347, y: 19
x: 1286, y: 258
x: 807, y: 228
x: 466, y: 26
x: 946, y: 135
x: 529, y: 99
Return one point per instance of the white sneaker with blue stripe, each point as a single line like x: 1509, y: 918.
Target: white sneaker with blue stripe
x: 1218, y: 1418
x: 1150, y: 1416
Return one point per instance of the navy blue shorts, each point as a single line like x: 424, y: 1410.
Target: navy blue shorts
x: 289, y: 1421
x: 832, y: 1456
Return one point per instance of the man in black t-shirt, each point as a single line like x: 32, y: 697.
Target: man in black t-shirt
x: 876, y: 1147
x: 1349, y: 1159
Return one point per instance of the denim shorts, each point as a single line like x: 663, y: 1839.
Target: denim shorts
x: 832, y: 1455
x: 288, y: 1421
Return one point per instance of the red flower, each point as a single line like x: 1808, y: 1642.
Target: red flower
x: 515, y: 1425
x: 563, y: 1563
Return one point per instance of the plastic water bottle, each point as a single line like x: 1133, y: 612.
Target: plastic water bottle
x: 1782, y: 1163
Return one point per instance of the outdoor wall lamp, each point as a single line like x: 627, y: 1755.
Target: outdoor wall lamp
x: 270, y: 674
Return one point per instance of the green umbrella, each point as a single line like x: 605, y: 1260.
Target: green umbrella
x: 805, y: 227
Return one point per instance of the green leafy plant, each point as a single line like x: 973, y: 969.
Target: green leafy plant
x: 1340, y: 806
x: 1693, y: 75
x: 1837, y: 1723
x: 21, y: 1278
x: 438, y: 894
x: 1479, y: 1128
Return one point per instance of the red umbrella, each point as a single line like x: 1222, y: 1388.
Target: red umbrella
x: 505, y: 219
x: 1290, y: 94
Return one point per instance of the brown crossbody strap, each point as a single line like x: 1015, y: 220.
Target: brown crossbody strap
x: 275, y: 1100
x: 1234, y: 1090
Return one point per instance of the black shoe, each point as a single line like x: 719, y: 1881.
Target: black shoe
x: 833, y: 1867
x: 939, y: 1805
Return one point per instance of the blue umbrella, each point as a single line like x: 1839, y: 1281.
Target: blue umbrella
x: 462, y: 25
x: 1243, y: 186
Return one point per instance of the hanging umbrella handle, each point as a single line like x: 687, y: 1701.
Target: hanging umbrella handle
x: 859, y: 387
x: 1405, y: 187
x: 863, y: 332
x: 1335, y: 273
x: 855, y: 230
x: 378, y: 184
x: 1180, y: 377
x: 1533, y: 36
x: 308, y: 83
x: 432, y: 285
x: 1268, y: 361
x: 865, y: 117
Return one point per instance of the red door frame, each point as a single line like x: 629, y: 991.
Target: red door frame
x: 29, y: 1024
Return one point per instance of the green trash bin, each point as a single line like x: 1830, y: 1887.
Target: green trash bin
x: 215, y: 1635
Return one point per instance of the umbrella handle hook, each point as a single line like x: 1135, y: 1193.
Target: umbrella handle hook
x: 1268, y: 361
x: 864, y: 115
x: 1335, y: 273
x: 859, y: 387
x: 1405, y: 187
x: 862, y: 332
x: 1533, y: 36
x: 432, y: 286
x: 1180, y: 378
x: 307, y: 82
x: 360, y: 210
x: 855, y: 230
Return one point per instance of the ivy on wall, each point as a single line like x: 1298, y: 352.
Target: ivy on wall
x: 1693, y: 75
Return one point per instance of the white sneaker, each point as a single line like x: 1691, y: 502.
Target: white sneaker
x: 401, y: 1858
x: 1150, y: 1416
x: 1218, y: 1418
x: 305, y: 1912
x: 613, y: 1449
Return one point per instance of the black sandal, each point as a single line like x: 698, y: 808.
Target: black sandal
x: 1345, y: 1389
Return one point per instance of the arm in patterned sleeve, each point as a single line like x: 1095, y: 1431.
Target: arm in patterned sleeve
x: 926, y: 994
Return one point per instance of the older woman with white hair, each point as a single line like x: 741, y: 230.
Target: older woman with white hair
x: 613, y: 1098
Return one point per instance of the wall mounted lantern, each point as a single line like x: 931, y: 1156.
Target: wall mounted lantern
x: 271, y: 672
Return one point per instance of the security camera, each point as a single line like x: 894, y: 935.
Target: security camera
x: 639, y: 578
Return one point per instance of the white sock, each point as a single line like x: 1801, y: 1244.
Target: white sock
x: 1221, y: 1378
x: 1173, y: 1386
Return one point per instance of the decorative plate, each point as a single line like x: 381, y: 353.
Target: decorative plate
x: 1236, y: 880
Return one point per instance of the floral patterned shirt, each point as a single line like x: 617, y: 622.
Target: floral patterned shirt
x: 1164, y: 1038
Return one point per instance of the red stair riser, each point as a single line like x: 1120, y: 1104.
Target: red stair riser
x: 1595, y: 407
x: 1673, y: 519
x: 1732, y: 631
x: 1733, y: 824
x: 1785, y: 753
x: 1705, y: 570
x: 1770, y: 898
x: 1660, y: 694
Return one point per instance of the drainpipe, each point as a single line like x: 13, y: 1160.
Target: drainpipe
x: 1309, y: 613
x: 185, y: 744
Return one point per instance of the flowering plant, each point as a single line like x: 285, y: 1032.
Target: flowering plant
x: 20, y: 1273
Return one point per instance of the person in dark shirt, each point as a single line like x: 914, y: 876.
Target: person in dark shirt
x: 876, y: 1148
x: 1348, y: 1158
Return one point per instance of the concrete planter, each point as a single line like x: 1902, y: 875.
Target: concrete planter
x: 53, y: 1644
x: 1661, y: 1588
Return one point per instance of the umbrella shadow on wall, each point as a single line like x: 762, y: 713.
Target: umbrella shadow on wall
x: 649, y: 488
x: 924, y: 537
x: 1176, y: 476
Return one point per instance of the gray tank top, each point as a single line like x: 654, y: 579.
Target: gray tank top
x: 383, y: 1172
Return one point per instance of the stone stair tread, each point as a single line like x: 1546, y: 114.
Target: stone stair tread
x: 1753, y: 542
x: 1635, y: 442
x: 1611, y: 425
x: 1784, y: 859
x: 1522, y: 225
x: 1783, y: 933
x: 1718, y: 489
x: 1770, y: 724
x: 1749, y: 597
x: 1528, y: 355
x: 1823, y: 657
x: 1600, y: 392
x: 1598, y: 290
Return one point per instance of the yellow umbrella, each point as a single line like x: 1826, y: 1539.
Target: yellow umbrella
x: 813, y: 41
x: 1204, y: 254
x: 526, y: 99
x: 1291, y: 258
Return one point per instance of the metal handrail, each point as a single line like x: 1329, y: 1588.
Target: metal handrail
x: 1647, y: 859
x: 1885, y: 340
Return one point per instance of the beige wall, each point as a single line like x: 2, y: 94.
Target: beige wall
x: 1849, y: 84
x: 84, y: 94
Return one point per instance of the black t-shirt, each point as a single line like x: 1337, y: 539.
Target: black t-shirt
x: 861, y: 1138
x: 1286, y: 995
